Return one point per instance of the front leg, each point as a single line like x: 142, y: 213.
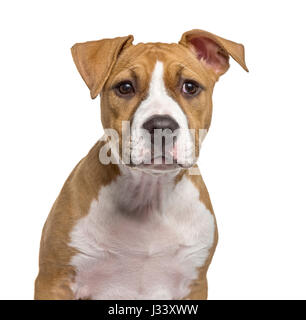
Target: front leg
x: 53, y: 284
x: 199, y: 287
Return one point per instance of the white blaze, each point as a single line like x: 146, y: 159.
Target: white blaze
x: 159, y: 102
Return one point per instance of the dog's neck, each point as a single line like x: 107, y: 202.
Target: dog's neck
x: 140, y: 192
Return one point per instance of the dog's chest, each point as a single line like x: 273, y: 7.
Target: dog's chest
x: 154, y: 256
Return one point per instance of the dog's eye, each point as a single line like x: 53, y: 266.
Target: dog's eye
x: 125, y: 88
x: 190, y: 88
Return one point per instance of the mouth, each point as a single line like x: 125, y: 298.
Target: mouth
x: 161, y: 145
x: 163, y: 158
x: 160, y: 163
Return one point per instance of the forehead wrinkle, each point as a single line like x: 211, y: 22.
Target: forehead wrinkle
x: 124, y: 74
x: 190, y: 74
x: 192, y: 65
x: 183, y: 67
x: 132, y: 71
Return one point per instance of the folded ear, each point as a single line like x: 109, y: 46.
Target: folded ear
x: 213, y: 51
x: 95, y: 59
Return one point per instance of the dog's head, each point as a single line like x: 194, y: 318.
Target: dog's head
x: 156, y: 98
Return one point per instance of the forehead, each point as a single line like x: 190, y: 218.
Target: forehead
x: 175, y: 58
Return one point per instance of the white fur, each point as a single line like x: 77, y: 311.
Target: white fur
x: 143, y: 238
x: 159, y: 102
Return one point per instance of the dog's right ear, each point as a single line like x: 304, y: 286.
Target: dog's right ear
x: 95, y: 59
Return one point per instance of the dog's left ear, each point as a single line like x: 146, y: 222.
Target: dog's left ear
x: 213, y: 51
x: 95, y: 59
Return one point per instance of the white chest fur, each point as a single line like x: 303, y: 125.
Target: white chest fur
x: 151, y: 255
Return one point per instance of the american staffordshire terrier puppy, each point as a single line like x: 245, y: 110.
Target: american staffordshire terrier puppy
x: 132, y: 222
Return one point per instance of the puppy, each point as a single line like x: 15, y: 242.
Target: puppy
x: 134, y: 219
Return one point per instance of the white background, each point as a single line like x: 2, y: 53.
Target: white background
x: 253, y: 159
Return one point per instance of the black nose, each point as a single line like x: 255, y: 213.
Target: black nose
x: 160, y: 122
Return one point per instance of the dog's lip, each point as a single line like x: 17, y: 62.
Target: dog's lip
x: 162, y: 166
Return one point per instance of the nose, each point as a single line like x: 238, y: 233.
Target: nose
x: 160, y: 122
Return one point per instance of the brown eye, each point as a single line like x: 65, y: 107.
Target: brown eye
x: 190, y: 88
x: 125, y: 88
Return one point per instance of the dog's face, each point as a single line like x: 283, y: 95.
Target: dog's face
x: 156, y: 97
